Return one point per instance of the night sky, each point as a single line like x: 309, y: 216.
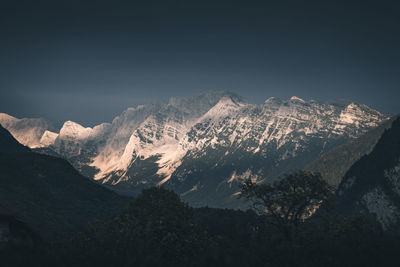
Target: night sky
x: 88, y: 61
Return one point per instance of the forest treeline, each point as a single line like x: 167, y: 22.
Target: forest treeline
x: 158, y: 229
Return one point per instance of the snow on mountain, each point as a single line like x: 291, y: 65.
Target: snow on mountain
x: 242, y: 139
x: 276, y: 121
x: 48, y: 138
x: 358, y: 117
x: 153, y: 137
x: 295, y: 98
x: 224, y: 107
x: 153, y: 130
x: 27, y: 131
x: 6, y: 119
x: 73, y: 138
x: 73, y: 130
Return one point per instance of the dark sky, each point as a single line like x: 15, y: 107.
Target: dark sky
x: 89, y: 60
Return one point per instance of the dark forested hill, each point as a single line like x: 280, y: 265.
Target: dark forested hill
x: 334, y: 164
x: 47, y: 193
x: 9, y: 144
x: 372, y: 184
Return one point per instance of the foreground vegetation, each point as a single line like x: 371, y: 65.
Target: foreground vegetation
x: 158, y: 229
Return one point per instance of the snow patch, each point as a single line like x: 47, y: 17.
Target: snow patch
x: 48, y: 138
x: 243, y: 176
x: 194, y: 188
x: 295, y: 98
x: 379, y: 204
x: 393, y: 175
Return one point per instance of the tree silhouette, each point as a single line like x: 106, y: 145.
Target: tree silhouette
x: 290, y: 200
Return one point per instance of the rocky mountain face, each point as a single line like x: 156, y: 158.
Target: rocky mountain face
x: 204, y: 146
x: 372, y: 184
x: 334, y: 164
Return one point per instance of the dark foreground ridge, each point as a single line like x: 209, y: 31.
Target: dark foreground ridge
x: 159, y: 230
x: 48, y: 194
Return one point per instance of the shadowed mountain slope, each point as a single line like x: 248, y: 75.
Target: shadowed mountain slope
x: 48, y: 193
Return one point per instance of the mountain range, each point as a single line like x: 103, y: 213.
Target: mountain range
x: 202, y: 146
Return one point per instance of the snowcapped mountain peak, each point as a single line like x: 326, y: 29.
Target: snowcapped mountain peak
x: 276, y: 101
x: 225, y: 107
x: 295, y: 98
x: 228, y: 100
x: 5, y: 119
x: 48, y: 138
x: 196, y: 106
x: 273, y: 100
x: 27, y: 131
x: 72, y: 129
x: 357, y: 117
x: 71, y: 124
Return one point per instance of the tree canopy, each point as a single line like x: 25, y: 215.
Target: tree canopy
x: 288, y: 201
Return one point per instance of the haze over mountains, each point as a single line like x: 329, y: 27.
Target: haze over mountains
x: 202, y: 146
